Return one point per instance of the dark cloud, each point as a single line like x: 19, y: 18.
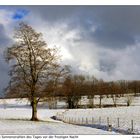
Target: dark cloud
x: 100, y: 39
x: 3, y: 37
x: 116, y: 26
x: 4, y: 68
x: 107, y: 66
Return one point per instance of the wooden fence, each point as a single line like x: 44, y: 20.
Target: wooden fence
x: 100, y: 123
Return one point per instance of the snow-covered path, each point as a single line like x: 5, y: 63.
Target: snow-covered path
x: 28, y: 127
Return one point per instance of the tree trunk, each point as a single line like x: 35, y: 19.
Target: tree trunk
x: 34, y: 109
x: 93, y: 101
x: 114, y: 100
x: 100, y: 105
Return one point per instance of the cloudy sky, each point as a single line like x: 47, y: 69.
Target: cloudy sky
x: 103, y: 41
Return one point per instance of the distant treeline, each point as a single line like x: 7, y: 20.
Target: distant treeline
x: 89, y: 85
x: 75, y: 86
x: 81, y: 85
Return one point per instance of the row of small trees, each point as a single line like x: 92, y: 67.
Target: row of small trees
x: 36, y: 73
x: 76, y: 86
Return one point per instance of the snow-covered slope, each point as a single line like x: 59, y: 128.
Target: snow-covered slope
x: 15, y: 116
x: 28, y: 127
x: 118, y: 117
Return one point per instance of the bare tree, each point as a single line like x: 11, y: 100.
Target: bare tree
x: 53, y: 87
x: 128, y: 99
x: 101, y: 89
x: 91, y: 101
x: 33, y: 64
x: 72, y: 88
x: 114, y: 98
x: 94, y: 84
x: 113, y: 88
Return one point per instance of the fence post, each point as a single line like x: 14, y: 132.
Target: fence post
x: 86, y: 120
x: 99, y: 120
x: 118, y: 120
x: 109, y: 126
x: 82, y: 120
x: 107, y: 121
x: 63, y: 118
x: 132, y: 125
x: 92, y: 120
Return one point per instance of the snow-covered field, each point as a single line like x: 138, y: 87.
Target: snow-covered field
x: 109, y: 101
x: 15, y: 116
x: 123, y: 119
x: 120, y: 118
x: 28, y: 127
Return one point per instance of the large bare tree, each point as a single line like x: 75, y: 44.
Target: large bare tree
x: 33, y: 65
